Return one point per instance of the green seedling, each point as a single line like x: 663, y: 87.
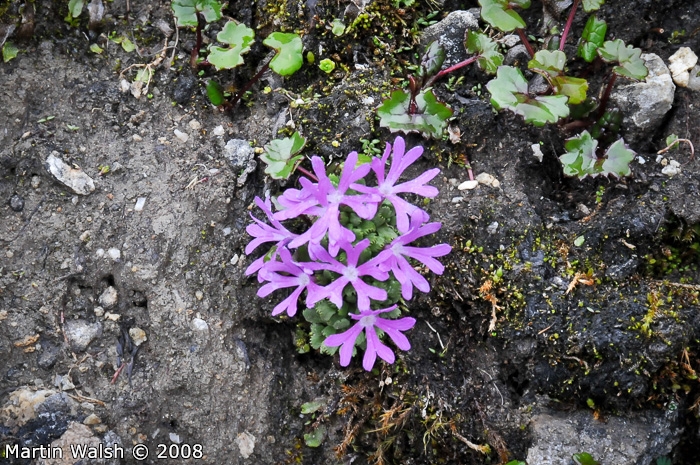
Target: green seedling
x: 581, y: 158
x: 327, y: 65
x: 215, y: 93
x: 510, y: 90
x: 516, y: 462
x: 75, y: 7
x: 9, y: 51
x: 289, y: 49
x: 500, y: 13
x: 584, y: 458
x: 239, y: 38
x: 193, y: 13
x: 316, y: 437
x: 592, y: 38
x: 630, y: 64
x: 337, y: 27
x: 281, y: 156
x: 550, y: 64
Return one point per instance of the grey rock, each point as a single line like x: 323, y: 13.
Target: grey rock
x: 636, y: 439
x: 74, y: 178
x: 184, y: 88
x: 239, y: 153
x: 644, y: 104
x: 16, y: 203
x: 80, y: 333
x: 451, y: 32
x: 694, y: 80
x: 517, y: 53
x: 108, y: 298
x: 48, y: 356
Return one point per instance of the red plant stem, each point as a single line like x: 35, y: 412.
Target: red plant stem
x: 307, y: 173
x: 250, y: 83
x: 452, y: 68
x: 195, y: 51
x: 567, y: 28
x: 526, y: 42
x: 606, y: 95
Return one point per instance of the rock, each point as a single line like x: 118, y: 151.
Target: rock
x: 21, y: 406
x: 517, y: 53
x: 114, y: 253
x: 16, y: 203
x: 108, y: 298
x: 184, y: 87
x: 76, y: 433
x: 138, y: 335
x: 73, y: 178
x: 451, y: 32
x: 488, y: 180
x: 673, y: 168
x: 644, y: 104
x: 195, y: 125
x: 694, y: 79
x: 181, y: 136
x: 80, y: 333
x: 175, y: 438
x: 681, y: 63
x: 242, y: 157
x: 246, y: 444
x: 637, y: 439
x: 199, y: 325
x: 92, y: 419
x: 48, y: 356
x: 468, y: 185
x: 492, y: 228
x: 140, y: 202
x: 218, y: 131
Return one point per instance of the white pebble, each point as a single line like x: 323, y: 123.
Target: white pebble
x: 488, y: 180
x: 457, y: 199
x: 195, y: 125
x: 99, y: 253
x: 537, y: 152
x: 114, y: 253
x: 492, y: 228
x: 199, y: 295
x: 226, y: 231
x: 140, y: 202
x: 641, y: 160
x: 175, y: 438
x: 673, y: 168
x: 138, y: 335
x: 199, y: 325
x: 234, y: 259
x: 680, y: 63
x: 468, y: 185
x: 218, y: 131
x: 182, y: 137
x: 137, y: 138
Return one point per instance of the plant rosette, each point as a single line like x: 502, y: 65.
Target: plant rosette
x: 356, y: 261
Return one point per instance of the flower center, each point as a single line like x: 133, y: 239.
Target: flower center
x: 335, y: 197
x: 351, y: 273
x: 385, y: 189
x: 368, y: 320
x: 304, y: 279
x: 397, y: 249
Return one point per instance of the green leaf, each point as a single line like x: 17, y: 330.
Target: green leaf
x: 489, y: 57
x: 510, y: 90
x: 592, y: 37
x: 499, y: 13
x: 311, y: 407
x: 128, y: 45
x: 9, y: 51
x: 516, y: 462
x: 143, y: 75
x: 432, y: 59
x: 337, y: 27
x: 94, y: 48
x: 581, y: 160
x: 671, y: 140
x: 280, y: 156
x: 215, y: 92
x: 578, y: 242
x: 592, y: 5
x: 289, y: 52
x: 311, y: 315
x: 428, y: 118
x: 327, y: 65
x: 239, y: 37
x: 548, y: 62
x: 629, y: 58
x: 186, y: 11
x: 584, y: 458
x: 574, y: 88
x: 316, y: 437
x: 75, y: 7
x: 326, y: 310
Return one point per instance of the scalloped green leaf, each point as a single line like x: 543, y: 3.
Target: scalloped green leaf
x: 581, y: 160
x: 432, y: 59
x: 316, y: 437
x: 487, y: 49
x: 550, y: 62
x: 584, y: 458
x: 281, y: 157
x: 510, y: 90
x: 629, y: 58
x: 289, y: 52
x: 592, y: 5
x: 185, y: 11
x: 572, y: 87
x: 500, y: 14
x: 428, y: 118
x: 592, y: 37
x: 239, y: 38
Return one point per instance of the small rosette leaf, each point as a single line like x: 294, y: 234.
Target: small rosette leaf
x: 429, y: 117
x: 281, y: 156
x: 592, y: 38
x: 239, y: 38
x: 289, y: 49
x: 489, y: 58
x: 185, y: 11
x: 629, y: 59
x: 581, y: 159
x: 500, y: 14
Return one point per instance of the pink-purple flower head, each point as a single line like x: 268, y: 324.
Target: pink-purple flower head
x: 387, y: 185
x: 367, y: 320
x: 395, y: 256
x: 323, y: 200
x: 263, y: 232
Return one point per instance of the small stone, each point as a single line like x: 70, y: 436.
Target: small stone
x: 246, y: 444
x: 181, y: 136
x: 488, y: 180
x: 99, y: 311
x: 680, y: 63
x: 234, y: 259
x: 137, y: 138
x: 138, y: 335
x: 64, y: 383
x: 457, y: 199
x: 219, y: 130
x: 36, y: 181
x: 226, y: 231
x: 537, y: 152
x: 195, y: 125
x: 140, y: 202
x: 199, y: 325
x: 114, y: 253
x: 199, y: 295
x: 468, y: 185
x: 92, y: 419
x: 108, y: 298
x: 124, y: 86
x: 85, y: 236
x: 112, y: 316
x: 492, y: 228
x: 641, y: 160
x: 80, y: 333
x: 673, y: 168
x: 175, y: 438
x: 16, y: 203
x: 73, y: 178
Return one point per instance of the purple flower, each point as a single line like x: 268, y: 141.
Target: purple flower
x: 263, y: 232
x: 323, y: 201
x: 394, y: 257
x: 388, y: 188
x: 367, y: 320
x: 295, y: 275
x: 350, y: 273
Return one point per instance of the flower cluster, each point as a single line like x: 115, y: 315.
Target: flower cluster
x: 356, y: 255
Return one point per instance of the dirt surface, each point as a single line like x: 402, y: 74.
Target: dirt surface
x: 607, y: 327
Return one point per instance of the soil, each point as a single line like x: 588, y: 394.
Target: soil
x: 609, y: 325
